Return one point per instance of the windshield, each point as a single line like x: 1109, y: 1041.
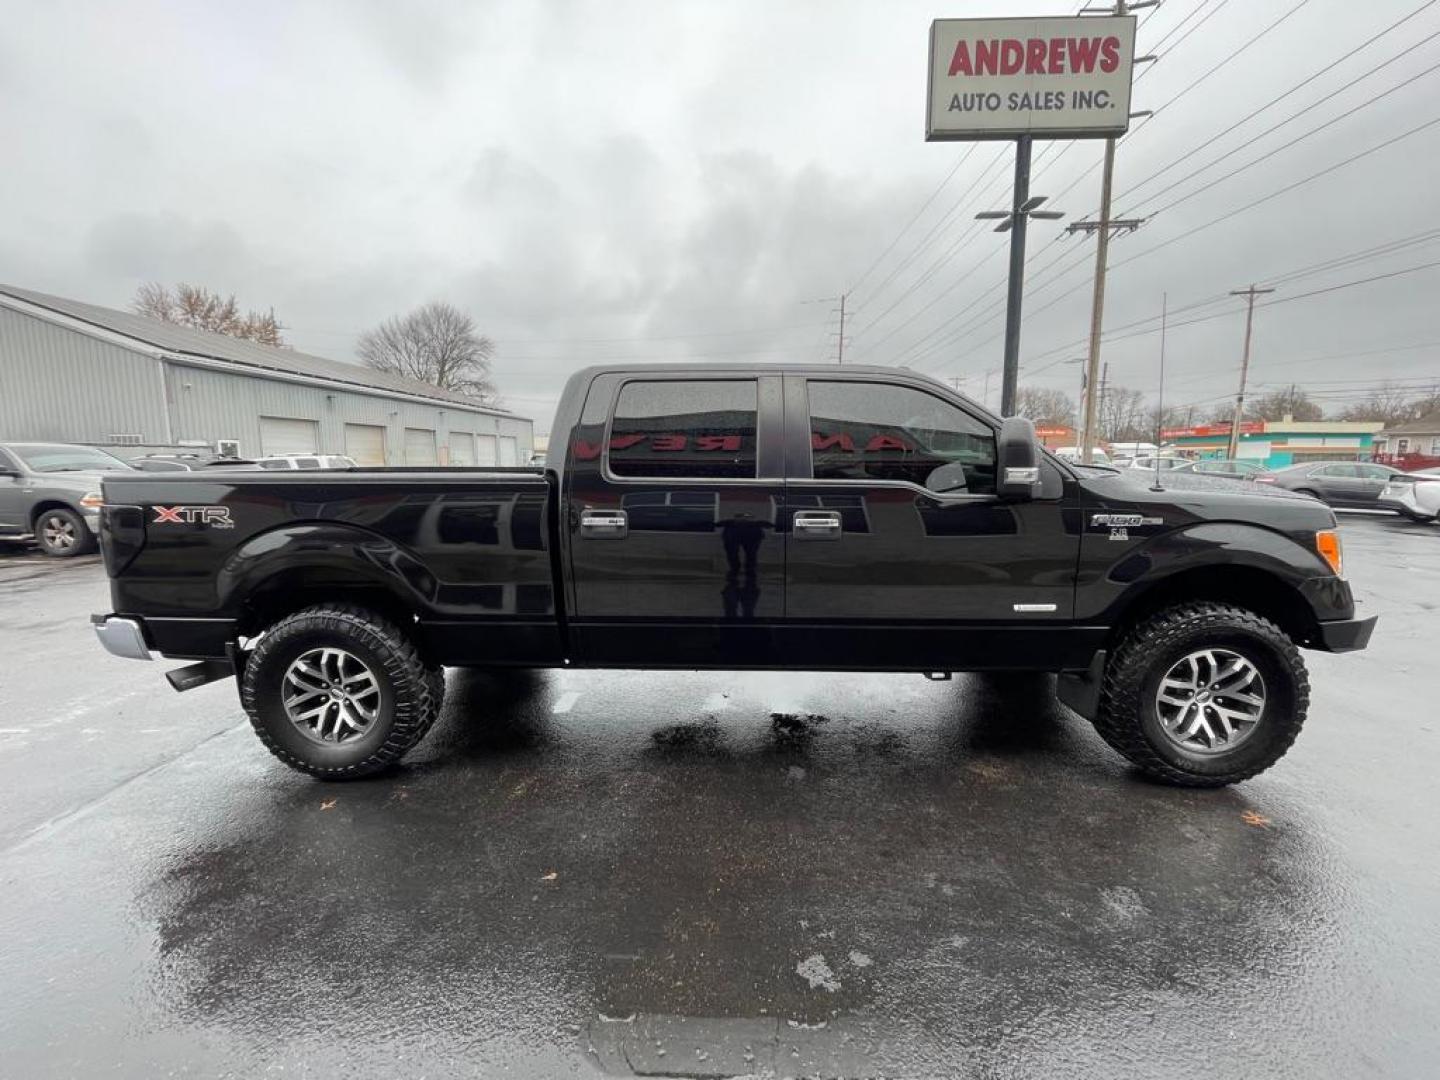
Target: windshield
x: 60, y: 458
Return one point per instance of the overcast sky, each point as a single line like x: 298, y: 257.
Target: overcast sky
x: 618, y: 180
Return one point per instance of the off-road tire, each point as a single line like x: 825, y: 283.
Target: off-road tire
x: 84, y: 539
x: 411, y: 691
x: 1127, y: 719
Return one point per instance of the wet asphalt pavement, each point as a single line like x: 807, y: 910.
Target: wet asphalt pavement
x: 714, y: 874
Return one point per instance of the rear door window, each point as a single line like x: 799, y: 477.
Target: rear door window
x: 678, y: 428
x: 882, y: 431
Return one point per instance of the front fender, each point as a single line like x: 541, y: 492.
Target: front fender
x: 323, y: 551
x: 1209, y: 548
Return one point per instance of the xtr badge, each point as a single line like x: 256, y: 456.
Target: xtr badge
x: 217, y: 517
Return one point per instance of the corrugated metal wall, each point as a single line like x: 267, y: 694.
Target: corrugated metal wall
x: 214, y: 405
x: 56, y: 383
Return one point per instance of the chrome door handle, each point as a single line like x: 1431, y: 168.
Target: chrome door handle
x: 604, y: 524
x: 817, y: 525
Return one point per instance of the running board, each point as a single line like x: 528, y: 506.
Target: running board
x: 193, y: 675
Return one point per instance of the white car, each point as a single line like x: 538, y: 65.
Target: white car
x: 307, y: 461
x: 1415, y: 495
x: 1167, y: 463
x: 1072, y: 455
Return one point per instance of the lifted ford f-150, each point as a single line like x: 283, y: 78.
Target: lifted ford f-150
x: 739, y: 517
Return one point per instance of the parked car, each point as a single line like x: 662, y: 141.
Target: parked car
x: 1228, y: 468
x: 1348, y: 484
x: 1167, y: 462
x: 185, y: 462
x: 1415, y: 495
x: 1072, y: 454
x: 715, y: 516
x: 284, y: 462
x: 51, y: 491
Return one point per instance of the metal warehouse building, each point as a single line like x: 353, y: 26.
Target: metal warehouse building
x: 73, y: 372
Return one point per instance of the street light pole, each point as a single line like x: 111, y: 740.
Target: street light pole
x: 1015, y: 220
x: 1010, y: 375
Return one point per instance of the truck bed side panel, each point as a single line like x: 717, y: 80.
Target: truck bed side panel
x: 468, y: 552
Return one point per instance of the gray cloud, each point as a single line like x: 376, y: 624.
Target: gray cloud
x: 632, y: 180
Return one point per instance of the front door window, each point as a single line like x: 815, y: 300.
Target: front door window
x: 878, y: 431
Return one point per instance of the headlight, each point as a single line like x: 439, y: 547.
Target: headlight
x: 92, y: 500
x: 1327, y: 543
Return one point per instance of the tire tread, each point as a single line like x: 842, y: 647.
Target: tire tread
x: 1115, y: 720
x: 415, y: 711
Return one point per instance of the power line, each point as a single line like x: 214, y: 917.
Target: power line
x: 1286, y: 189
x: 929, y: 273
x: 1292, y: 90
x: 1389, y: 247
x: 906, y: 228
x: 1112, y: 337
x: 1269, y: 154
x: 934, y: 232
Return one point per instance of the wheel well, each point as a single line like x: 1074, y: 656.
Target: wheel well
x: 1244, y: 586
x: 50, y: 504
x: 294, y: 590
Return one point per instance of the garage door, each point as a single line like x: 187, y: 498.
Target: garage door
x: 419, y: 446
x: 280, y: 436
x: 485, y: 444
x: 462, y: 448
x: 365, y: 443
x: 509, y: 450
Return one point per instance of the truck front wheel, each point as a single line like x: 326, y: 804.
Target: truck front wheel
x: 1203, y: 695
x: 338, y: 692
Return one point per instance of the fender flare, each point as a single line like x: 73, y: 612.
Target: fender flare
x: 1214, y: 547
x: 350, y: 552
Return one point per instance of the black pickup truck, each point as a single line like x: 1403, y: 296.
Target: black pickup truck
x: 830, y: 518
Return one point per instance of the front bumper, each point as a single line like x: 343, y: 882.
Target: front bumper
x: 121, y: 636
x: 1406, y: 504
x: 1347, y: 635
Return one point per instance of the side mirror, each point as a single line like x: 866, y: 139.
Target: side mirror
x: 1019, y: 464
x: 5, y: 470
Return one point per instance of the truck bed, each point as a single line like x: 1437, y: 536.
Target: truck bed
x: 209, y: 556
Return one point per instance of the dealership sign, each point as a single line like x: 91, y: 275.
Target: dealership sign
x: 1050, y: 78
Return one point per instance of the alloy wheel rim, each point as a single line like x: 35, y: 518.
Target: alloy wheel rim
x: 58, y: 532
x: 331, y: 695
x: 1210, y: 701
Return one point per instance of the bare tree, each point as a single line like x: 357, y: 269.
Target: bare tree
x: 436, y: 344
x: 1045, y: 405
x: 1392, y: 404
x: 197, y: 307
x: 1278, y: 404
x: 1124, y: 417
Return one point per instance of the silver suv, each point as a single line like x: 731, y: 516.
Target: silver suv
x: 52, y: 491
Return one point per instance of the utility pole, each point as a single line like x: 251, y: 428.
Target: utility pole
x: 840, y: 339
x: 1102, y: 229
x: 1249, y: 295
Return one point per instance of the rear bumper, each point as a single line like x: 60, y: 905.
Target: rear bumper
x: 121, y: 636
x: 1347, y: 635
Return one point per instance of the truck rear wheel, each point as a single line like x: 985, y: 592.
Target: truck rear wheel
x: 1203, y: 695
x: 338, y: 692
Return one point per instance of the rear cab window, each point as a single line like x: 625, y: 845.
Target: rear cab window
x: 682, y: 428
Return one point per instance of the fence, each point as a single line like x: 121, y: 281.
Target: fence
x: 1408, y: 462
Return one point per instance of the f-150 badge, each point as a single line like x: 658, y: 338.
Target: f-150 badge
x: 1121, y: 524
x: 217, y: 517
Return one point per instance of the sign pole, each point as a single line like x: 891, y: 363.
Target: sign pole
x: 1010, y: 377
